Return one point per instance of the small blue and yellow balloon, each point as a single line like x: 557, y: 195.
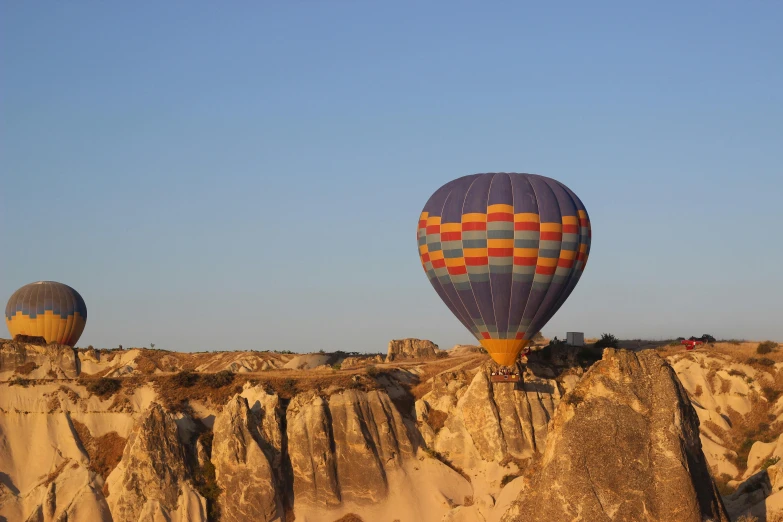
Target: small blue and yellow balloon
x: 47, y: 309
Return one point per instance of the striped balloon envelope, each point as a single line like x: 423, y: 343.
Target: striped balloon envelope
x: 504, y: 251
x: 47, y: 309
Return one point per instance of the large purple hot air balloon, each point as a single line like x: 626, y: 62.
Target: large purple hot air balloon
x: 504, y: 251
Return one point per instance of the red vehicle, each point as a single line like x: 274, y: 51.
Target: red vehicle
x: 690, y: 345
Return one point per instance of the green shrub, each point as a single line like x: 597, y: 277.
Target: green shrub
x: 766, y: 347
x: 723, y: 484
x: 607, y: 341
x: 104, y: 387
x: 20, y: 381
x: 770, y: 462
x: 336, y: 366
x: 205, y: 479
x: 185, y: 378
x: 288, y: 387
x: 770, y: 393
x: 219, y: 379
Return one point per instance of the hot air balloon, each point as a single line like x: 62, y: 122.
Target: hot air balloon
x: 47, y: 309
x: 504, y: 251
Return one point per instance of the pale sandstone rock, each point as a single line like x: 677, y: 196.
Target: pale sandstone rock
x: 151, y: 481
x: 343, y: 450
x: 411, y: 349
x: 624, y: 445
x: 242, y: 469
x: 60, y: 359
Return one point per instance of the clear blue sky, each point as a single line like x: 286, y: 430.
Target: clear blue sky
x: 250, y: 176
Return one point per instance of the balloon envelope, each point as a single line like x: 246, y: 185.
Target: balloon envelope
x: 47, y: 309
x: 504, y: 251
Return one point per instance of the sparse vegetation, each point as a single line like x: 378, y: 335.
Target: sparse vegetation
x: 770, y: 462
x: 506, y: 479
x: 574, y: 399
x: 105, y: 451
x: 20, y: 381
x: 185, y: 379
x: 436, y: 419
x: 766, y: 347
x: 372, y: 371
x: 439, y: 456
x: 607, y: 341
x: 722, y: 482
x: 698, y: 391
x: 288, y: 387
x: 206, y: 480
x: 219, y: 379
x: 350, y: 517
x: 26, y: 368
x: 103, y: 387
x: 770, y: 393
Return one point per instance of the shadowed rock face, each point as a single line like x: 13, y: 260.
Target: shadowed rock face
x: 624, y: 445
x: 61, y: 359
x: 411, y: 349
x: 242, y: 469
x: 342, y: 450
x: 152, y: 482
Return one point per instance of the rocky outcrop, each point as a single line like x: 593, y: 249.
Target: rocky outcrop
x: 52, y: 360
x: 411, y: 349
x: 242, y: 468
x: 311, y: 450
x: 624, y: 445
x: 44, y: 470
x: 485, y: 421
x: 343, y: 449
x: 355, y: 362
x: 761, y: 494
x: 152, y: 481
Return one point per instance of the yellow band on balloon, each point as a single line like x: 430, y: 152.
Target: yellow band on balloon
x: 504, y: 351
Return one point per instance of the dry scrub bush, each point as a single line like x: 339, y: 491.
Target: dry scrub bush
x: 436, y: 419
x: 103, y: 387
x: 26, y: 368
x: 105, y: 451
x: 746, y: 430
x: 766, y: 347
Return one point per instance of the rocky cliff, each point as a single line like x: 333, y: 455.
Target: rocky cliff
x: 242, y: 467
x: 152, y: 481
x: 431, y: 439
x: 36, y: 361
x: 624, y: 445
x: 411, y: 349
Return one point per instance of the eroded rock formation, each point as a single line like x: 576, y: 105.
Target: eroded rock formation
x: 624, y: 445
x: 342, y: 449
x: 242, y: 468
x: 52, y: 360
x: 152, y: 481
x: 411, y: 349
